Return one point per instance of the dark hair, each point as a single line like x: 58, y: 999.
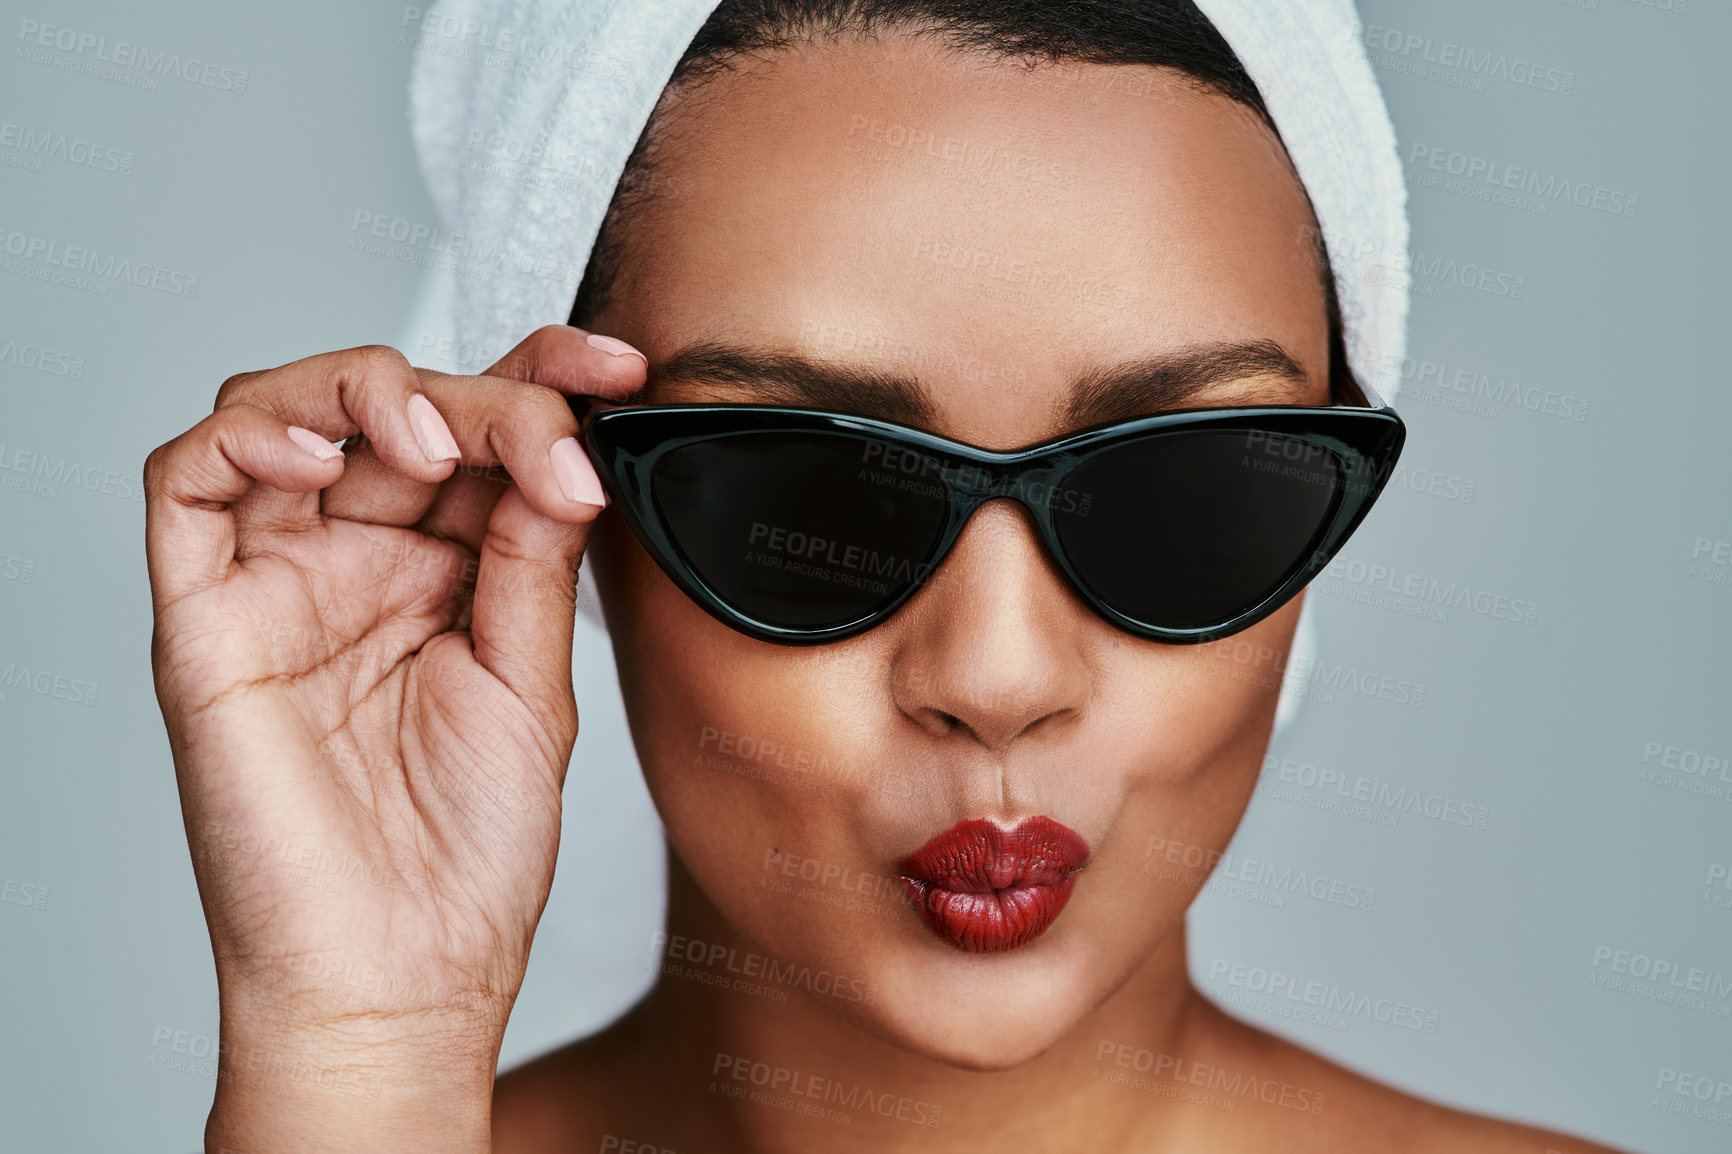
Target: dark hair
x: 1164, y: 33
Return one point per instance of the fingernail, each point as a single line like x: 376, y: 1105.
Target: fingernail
x: 576, y: 476
x: 614, y: 346
x: 313, y: 443
x: 434, y: 435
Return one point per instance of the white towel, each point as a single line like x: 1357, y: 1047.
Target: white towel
x: 525, y: 111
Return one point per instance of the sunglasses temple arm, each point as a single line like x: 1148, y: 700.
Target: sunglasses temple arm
x: 587, y: 408
x: 1363, y: 395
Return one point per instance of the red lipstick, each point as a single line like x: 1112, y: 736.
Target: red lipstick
x: 986, y: 889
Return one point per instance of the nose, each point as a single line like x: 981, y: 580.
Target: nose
x: 993, y: 646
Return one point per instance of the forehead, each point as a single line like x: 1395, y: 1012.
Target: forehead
x: 995, y: 231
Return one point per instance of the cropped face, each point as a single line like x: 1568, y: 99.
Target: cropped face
x: 1006, y: 255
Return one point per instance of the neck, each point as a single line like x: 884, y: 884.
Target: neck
x: 703, y: 1020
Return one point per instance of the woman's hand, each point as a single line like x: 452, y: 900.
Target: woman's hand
x: 364, y: 662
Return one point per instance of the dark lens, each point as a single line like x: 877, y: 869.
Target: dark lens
x: 802, y: 530
x: 1187, y: 530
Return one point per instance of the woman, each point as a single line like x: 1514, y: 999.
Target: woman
x: 911, y: 792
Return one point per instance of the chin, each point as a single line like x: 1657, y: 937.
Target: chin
x: 985, y: 1013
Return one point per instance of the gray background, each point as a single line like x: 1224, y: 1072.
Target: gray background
x: 1594, y: 522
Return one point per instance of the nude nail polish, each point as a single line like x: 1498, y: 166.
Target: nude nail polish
x: 576, y: 476
x: 431, y: 431
x: 613, y: 345
x: 313, y: 443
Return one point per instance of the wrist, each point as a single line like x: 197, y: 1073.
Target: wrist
x: 364, y: 1084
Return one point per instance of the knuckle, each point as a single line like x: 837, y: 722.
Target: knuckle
x: 381, y: 361
x: 154, y: 466
x: 234, y: 389
x: 548, y: 334
x: 544, y: 407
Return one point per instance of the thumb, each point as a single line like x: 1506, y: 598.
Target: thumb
x: 575, y: 362
x: 525, y: 601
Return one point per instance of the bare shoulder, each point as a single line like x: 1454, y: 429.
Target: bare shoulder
x: 534, y: 1109
x: 1460, y: 1130
x: 1353, y: 1112
x: 565, y: 1099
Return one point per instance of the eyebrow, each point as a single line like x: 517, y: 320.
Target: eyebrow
x: 1170, y: 379
x: 1115, y: 392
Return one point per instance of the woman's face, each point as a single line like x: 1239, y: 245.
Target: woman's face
x: 995, y: 238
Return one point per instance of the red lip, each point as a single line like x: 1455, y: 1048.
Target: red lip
x: 986, y: 889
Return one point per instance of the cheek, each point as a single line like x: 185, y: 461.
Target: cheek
x: 684, y: 674
x: 1245, y: 672
x: 765, y: 762
x: 1200, y: 717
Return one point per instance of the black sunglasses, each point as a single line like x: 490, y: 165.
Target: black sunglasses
x: 803, y: 527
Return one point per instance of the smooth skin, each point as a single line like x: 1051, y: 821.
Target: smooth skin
x: 425, y: 734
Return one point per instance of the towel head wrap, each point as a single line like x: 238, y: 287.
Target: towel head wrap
x: 499, y: 81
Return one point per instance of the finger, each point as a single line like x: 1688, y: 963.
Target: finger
x: 419, y: 421
x: 489, y: 421
x: 372, y: 491
x: 576, y: 363
x: 370, y: 390
x: 193, y: 483
x: 530, y: 430
x: 465, y: 502
x: 524, y: 607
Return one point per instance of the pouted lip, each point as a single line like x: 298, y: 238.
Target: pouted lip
x: 987, y: 889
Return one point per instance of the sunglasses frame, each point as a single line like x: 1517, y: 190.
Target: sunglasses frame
x: 626, y: 444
